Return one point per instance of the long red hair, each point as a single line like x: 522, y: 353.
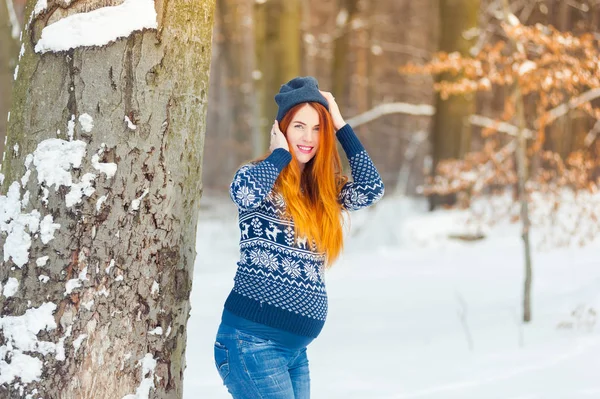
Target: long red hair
x: 315, y: 210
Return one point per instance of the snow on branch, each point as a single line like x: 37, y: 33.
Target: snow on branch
x: 503, y: 127
x: 391, y: 108
x: 98, y: 27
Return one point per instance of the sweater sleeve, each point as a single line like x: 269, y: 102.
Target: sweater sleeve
x: 253, y: 182
x: 367, y: 187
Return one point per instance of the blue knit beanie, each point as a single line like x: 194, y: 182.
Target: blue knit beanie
x: 297, y: 91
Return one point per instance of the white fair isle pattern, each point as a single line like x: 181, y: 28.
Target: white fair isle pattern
x: 278, y: 270
x: 367, y: 187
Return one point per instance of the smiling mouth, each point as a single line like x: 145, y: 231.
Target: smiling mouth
x: 305, y: 149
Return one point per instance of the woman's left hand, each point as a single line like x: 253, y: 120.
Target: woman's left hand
x: 334, y: 110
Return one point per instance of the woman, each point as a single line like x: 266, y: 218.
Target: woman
x: 290, y: 215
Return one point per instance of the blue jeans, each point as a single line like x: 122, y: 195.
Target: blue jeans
x: 256, y: 368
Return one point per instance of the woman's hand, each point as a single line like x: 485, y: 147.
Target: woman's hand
x: 334, y: 110
x: 278, y: 140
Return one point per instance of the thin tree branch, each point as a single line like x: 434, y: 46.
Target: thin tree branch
x: 563, y: 109
x: 14, y: 21
x: 504, y: 127
x: 391, y: 108
x: 592, y: 134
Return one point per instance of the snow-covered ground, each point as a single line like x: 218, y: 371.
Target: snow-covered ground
x: 414, y: 314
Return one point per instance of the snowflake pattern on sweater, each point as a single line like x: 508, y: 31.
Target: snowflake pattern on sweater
x: 280, y: 280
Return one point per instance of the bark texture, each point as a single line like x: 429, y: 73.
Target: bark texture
x: 133, y: 265
x: 451, y: 133
x: 8, y: 58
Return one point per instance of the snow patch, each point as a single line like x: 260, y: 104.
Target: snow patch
x: 135, y: 204
x: 98, y: 27
x: 109, y: 169
x: 88, y: 305
x: 76, y: 282
x: 130, y: 124
x: 87, y: 122
x: 110, y: 265
x: 71, y: 285
x: 40, y: 6
x: 156, y: 331
x: 148, y: 364
x: 43, y: 278
x: 25, y: 178
x: 15, y: 223
x: 47, y: 229
x: 45, y: 197
x: 78, y: 341
x: 100, y: 202
x: 54, y: 159
x: 20, y: 336
x: 11, y: 287
x: 60, y: 347
x: 40, y: 262
x: 78, y: 190
x: 155, y: 288
x: 25, y: 199
x: 71, y: 128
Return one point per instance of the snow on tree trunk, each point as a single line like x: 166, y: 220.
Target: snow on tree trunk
x: 100, y: 196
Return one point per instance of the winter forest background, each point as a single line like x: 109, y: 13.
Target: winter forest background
x: 477, y: 275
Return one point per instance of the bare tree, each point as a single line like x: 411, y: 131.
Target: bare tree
x: 101, y: 183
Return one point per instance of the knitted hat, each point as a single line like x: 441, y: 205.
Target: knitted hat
x: 297, y: 91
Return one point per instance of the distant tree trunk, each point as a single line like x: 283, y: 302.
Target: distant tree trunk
x: 523, y: 176
x: 233, y: 124
x: 339, y: 72
x: 98, y: 220
x: 277, y: 30
x: 9, y: 37
x: 451, y: 133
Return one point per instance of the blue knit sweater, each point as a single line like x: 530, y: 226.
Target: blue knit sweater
x: 279, y: 280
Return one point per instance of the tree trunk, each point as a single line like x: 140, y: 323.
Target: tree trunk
x: 277, y: 33
x: 522, y: 164
x: 522, y: 176
x: 9, y: 37
x: 98, y: 224
x: 234, y: 123
x: 451, y: 133
x: 339, y: 78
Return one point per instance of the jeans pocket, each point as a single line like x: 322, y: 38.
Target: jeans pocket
x: 252, y: 339
x: 222, y: 359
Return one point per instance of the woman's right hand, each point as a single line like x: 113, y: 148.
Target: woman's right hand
x: 278, y: 140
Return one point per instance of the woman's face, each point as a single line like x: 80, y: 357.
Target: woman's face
x: 303, y: 134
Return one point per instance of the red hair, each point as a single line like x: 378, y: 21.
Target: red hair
x: 316, y: 212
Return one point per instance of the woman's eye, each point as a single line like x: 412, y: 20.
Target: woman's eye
x: 299, y: 126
